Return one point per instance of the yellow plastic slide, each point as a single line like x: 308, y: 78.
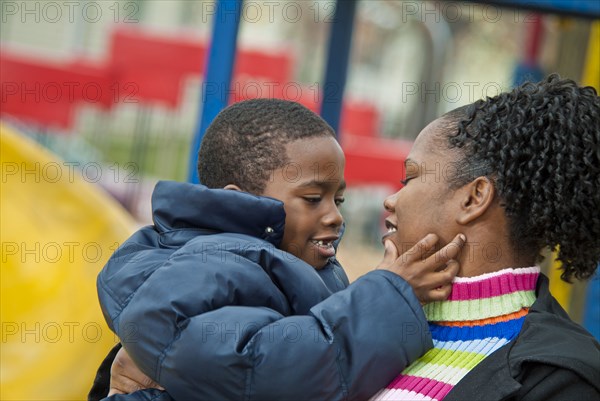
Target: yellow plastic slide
x: 58, y: 230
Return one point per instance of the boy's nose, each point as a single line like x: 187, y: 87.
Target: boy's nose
x: 333, y: 217
x: 390, y: 202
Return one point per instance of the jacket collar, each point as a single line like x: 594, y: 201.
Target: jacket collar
x: 497, y: 377
x: 194, y: 207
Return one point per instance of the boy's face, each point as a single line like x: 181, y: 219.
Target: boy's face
x: 311, y: 186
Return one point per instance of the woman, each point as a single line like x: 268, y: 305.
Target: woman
x: 515, y: 173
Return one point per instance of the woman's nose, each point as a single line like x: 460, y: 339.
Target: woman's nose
x: 389, y: 202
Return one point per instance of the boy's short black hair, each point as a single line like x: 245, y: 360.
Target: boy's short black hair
x: 246, y: 142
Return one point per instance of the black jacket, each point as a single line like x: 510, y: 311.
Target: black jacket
x: 553, y: 358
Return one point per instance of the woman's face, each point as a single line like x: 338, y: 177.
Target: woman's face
x: 425, y: 204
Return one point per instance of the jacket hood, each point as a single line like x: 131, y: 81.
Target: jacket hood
x: 177, y: 206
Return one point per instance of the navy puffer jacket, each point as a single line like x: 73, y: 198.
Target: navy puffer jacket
x: 206, y: 305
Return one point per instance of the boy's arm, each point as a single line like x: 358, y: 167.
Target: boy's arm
x: 351, y: 345
x: 346, y: 347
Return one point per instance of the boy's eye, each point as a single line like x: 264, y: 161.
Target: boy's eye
x: 317, y: 199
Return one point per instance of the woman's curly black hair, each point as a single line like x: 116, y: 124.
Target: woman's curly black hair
x: 540, y: 145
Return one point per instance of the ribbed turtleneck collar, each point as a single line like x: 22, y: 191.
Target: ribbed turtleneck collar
x: 482, y: 314
x: 487, y: 296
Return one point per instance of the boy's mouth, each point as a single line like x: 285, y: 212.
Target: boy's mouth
x: 322, y: 242
x: 324, y: 246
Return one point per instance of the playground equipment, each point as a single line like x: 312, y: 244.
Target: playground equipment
x: 149, y: 69
x: 57, y: 232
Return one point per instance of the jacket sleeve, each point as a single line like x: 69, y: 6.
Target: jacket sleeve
x: 149, y: 394
x: 221, y: 343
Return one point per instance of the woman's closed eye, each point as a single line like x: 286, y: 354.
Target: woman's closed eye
x: 406, y: 180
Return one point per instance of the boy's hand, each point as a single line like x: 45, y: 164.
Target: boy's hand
x: 126, y: 377
x: 430, y: 275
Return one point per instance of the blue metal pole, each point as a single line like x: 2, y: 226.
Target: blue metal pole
x: 219, y: 70
x: 338, y: 57
x: 591, y: 313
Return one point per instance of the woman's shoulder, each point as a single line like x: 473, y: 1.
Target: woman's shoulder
x: 551, y: 342
x: 553, y: 358
x: 554, y: 383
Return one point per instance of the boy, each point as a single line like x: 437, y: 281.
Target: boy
x: 235, y: 292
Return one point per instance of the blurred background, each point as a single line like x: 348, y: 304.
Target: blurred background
x: 101, y: 99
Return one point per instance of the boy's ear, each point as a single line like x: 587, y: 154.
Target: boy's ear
x: 233, y: 187
x: 476, y: 198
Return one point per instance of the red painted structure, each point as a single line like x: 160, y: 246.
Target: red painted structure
x: 150, y: 69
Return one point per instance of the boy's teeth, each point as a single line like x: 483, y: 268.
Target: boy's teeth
x: 392, y: 230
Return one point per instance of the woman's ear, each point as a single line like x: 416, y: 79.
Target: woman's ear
x: 477, y: 197
x: 233, y: 187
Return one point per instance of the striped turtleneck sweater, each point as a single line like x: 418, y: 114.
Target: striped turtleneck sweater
x: 482, y: 314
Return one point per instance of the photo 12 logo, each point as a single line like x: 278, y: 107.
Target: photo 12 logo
x: 53, y: 172
x: 52, y: 332
x: 69, y: 11
x: 451, y: 92
x: 270, y: 11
